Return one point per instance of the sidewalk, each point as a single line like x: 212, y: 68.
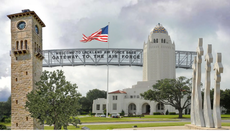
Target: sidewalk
x: 170, y: 128
x: 157, y: 128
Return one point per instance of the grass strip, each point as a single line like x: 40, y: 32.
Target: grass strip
x: 128, y: 119
x: 6, y: 124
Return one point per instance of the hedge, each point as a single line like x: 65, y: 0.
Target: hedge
x: 131, y: 115
x: 172, y: 113
x: 2, y: 127
x: 156, y: 113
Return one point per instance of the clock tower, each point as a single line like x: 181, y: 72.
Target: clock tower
x: 26, y: 65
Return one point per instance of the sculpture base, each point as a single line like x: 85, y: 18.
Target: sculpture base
x: 194, y: 127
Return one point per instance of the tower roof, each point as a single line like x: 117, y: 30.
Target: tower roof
x: 118, y: 92
x: 160, y: 29
x: 26, y: 13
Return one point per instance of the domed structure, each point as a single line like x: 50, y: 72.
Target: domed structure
x: 160, y: 29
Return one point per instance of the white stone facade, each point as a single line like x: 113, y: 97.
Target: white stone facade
x: 158, y: 63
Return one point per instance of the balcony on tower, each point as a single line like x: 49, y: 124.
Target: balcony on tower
x: 20, y: 51
x: 20, y: 48
x: 38, y: 54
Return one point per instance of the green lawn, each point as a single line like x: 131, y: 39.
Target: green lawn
x: 6, y: 124
x: 127, y: 119
x: 116, y: 126
x: 86, y: 119
x: 225, y: 117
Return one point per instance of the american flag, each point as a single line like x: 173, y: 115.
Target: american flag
x: 100, y: 35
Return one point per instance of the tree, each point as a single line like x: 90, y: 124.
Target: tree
x: 5, y: 109
x: 55, y: 100
x: 85, y: 105
x: 94, y: 94
x: 171, y: 92
x: 225, y: 100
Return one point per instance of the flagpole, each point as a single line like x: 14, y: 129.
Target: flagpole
x: 107, y: 104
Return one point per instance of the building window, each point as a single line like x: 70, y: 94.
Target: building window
x: 21, y: 45
x: 114, y: 106
x: 26, y: 73
x: 104, y: 106
x: 131, y: 96
x: 35, y: 49
x: 98, y: 106
x: 17, y: 44
x: 16, y: 101
x: 156, y: 40
x: 26, y: 118
x: 114, y: 97
x: 16, y: 79
x: 132, y: 106
x: 26, y: 44
x: 164, y: 40
x: 16, y: 124
x: 160, y: 106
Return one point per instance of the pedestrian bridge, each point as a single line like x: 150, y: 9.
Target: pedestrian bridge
x: 107, y: 56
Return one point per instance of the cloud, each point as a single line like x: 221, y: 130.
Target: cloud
x: 4, y: 94
x: 5, y: 88
x: 130, y: 24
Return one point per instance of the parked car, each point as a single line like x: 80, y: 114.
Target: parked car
x: 114, y: 116
x: 103, y: 115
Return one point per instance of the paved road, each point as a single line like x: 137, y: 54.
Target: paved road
x: 135, y: 122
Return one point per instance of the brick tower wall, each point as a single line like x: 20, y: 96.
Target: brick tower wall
x: 26, y: 69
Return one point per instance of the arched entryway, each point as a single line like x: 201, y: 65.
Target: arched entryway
x: 132, y: 108
x: 160, y: 108
x: 145, y: 109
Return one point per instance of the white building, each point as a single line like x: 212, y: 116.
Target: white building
x: 158, y: 63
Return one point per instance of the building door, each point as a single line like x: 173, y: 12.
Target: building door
x: 148, y: 109
x: 145, y: 109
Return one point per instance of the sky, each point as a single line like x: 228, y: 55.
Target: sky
x: 131, y: 21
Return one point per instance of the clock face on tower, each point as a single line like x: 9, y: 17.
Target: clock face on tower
x: 21, y: 25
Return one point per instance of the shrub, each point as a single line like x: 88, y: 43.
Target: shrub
x: 156, y: 113
x: 3, y: 118
x: 186, y: 112
x: 122, y: 113
x: 140, y: 115
x: 92, y: 114
x: 167, y: 112
x: 84, y: 113
x: 131, y: 115
x: 7, y: 120
x: 2, y: 127
x: 172, y: 113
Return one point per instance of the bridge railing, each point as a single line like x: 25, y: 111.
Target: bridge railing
x: 105, y: 56
x: 184, y: 59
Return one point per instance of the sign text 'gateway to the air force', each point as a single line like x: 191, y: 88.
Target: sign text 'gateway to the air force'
x: 96, y: 54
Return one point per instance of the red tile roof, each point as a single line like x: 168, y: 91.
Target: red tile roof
x: 117, y: 92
